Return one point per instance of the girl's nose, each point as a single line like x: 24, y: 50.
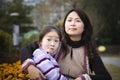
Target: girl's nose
x: 52, y: 43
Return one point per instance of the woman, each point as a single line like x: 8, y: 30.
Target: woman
x: 78, y: 57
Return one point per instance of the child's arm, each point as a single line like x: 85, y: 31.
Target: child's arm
x: 48, y: 68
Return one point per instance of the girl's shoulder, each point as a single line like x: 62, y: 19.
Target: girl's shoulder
x: 38, y: 54
x: 39, y: 51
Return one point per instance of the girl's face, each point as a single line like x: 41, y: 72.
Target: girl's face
x: 50, y: 41
x: 74, y: 26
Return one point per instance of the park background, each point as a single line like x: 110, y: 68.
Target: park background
x: 21, y: 20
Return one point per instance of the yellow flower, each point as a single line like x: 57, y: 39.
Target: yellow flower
x: 12, y: 71
x: 21, y: 75
x: 101, y: 48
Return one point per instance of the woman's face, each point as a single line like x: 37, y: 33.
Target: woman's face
x: 74, y: 26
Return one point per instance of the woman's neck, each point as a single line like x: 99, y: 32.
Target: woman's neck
x: 74, y: 42
x: 75, y: 38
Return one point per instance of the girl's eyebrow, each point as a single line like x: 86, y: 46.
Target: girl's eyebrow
x: 52, y: 36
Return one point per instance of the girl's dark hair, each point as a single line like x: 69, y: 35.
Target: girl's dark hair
x: 47, y: 29
x: 86, y: 35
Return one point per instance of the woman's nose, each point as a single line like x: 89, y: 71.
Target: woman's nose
x: 72, y: 22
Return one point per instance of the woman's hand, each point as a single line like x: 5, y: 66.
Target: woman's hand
x: 35, y: 73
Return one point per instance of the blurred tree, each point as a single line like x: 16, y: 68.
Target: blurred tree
x: 110, y: 13
x: 5, y: 42
x: 6, y: 21
x: 43, y: 13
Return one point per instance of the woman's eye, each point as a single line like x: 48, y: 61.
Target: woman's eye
x: 69, y: 20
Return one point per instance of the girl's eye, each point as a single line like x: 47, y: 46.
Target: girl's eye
x: 49, y: 39
x: 56, y: 40
x: 78, y: 20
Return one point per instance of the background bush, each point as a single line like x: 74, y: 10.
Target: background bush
x: 5, y: 42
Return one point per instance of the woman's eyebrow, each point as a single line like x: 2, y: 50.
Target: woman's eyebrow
x: 72, y: 17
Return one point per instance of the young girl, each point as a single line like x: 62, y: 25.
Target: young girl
x: 49, y: 41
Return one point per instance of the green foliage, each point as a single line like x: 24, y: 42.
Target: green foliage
x: 5, y: 42
x: 105, y: 17
x: 26, y: 29
x: 23, y: 10
x: 110, y: 13
x: 27, y: 41
x: 59, y: 23
x: 7, y: 21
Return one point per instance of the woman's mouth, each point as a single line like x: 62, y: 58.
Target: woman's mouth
x: 72, y: 29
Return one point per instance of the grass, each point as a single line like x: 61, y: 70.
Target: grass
x: 110, y: 55
x: 114, y: 71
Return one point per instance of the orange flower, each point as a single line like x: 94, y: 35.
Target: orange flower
x: 12, y: 71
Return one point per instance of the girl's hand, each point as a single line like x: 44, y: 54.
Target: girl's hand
x: 79, y: 78
x: 35, y: 73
